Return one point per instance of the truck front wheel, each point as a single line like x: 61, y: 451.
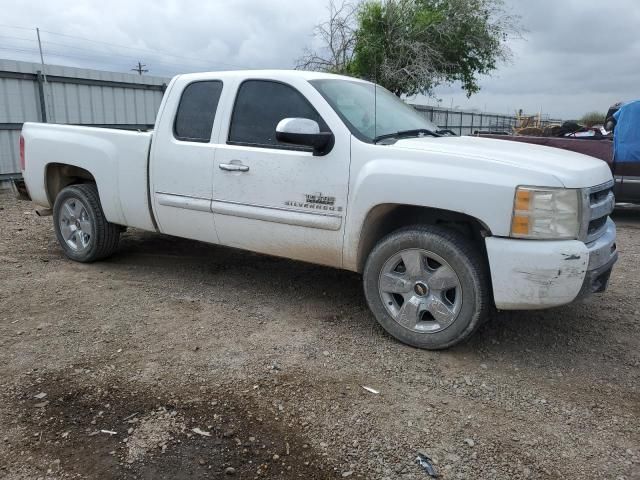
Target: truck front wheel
x: 427, y: 286
x: 82, y: 230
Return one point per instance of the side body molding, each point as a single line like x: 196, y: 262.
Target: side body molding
x: 184, y: 201
x: 287, y: 216
x: 323, y: 221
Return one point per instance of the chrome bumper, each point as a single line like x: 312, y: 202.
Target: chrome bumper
x: 603, y: 254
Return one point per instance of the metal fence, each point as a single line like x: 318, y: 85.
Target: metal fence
x: 465, y: 122
x: 70, y: 95
x: 108, y: 99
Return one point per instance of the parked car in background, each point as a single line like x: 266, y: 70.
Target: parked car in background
x: 332, y: 170
x: 626, y: 151
x: 623, y: 160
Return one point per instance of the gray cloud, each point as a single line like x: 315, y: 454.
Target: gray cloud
x: 576, y: 56
x: 194, y: 35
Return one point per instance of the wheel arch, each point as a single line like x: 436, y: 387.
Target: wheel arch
x: 385, y: 218
x: 60, y: 175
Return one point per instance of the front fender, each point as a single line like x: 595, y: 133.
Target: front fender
x: 446, y: 182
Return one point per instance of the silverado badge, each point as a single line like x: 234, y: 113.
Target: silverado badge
x: 316, y: 201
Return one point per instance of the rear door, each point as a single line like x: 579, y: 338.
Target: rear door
x: 275, y: 198
x: 182, y: 157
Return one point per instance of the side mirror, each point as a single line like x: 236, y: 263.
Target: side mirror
x: 305, y: 132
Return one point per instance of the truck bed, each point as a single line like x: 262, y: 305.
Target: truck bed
x: 117, y: 159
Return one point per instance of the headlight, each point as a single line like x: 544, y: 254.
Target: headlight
x: 546, y: 213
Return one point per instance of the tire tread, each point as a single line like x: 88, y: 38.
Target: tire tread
x: 107, y: 234
x: 476, y: 262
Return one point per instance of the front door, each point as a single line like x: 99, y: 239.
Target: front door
x: 275, y: 198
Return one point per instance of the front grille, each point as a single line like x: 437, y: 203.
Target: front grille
x: 600, y: 202
x: 596, y: 225
x: 600, y: 195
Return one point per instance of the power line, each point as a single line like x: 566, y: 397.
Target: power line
x: 169, y: 69
x: 16, y: 27
x: 103, y: 58
x: 95, y: 52
x: 18, y: 38
x: 110, y: 55
x: 13, y: 49
x: 134, y: 48
x: 195, y: 61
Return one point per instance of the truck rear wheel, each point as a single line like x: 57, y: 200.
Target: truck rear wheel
x: 427, y: 286
x: 82, y: 230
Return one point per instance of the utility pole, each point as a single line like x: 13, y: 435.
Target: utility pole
x: 44, y: 71
x: 139, y: 68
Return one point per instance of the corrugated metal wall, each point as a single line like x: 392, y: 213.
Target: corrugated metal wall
x: 92, y: 97
x: 18, y: 103
x: 70, y: 95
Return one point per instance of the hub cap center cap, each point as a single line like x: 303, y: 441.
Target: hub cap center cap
x: 421, y: 289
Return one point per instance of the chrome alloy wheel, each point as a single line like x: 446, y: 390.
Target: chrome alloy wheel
x: 420, y: 290
x: 75, y: 225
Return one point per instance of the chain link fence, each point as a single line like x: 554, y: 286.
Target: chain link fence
x: 463, y: 122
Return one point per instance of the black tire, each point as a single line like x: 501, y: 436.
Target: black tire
x: 102, y: 236
x: 462, y: 256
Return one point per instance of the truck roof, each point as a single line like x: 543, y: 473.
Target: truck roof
x: 276, y: 74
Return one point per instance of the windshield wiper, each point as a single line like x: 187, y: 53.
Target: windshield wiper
x: 417, y: 132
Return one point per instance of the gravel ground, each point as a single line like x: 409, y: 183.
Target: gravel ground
x: 176, y: 359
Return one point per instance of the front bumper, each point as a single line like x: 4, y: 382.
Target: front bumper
x: 534, y: 274
x: 603, y: 254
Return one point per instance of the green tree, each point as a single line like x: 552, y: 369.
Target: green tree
x: 592, y: 118
x: 411, y: 46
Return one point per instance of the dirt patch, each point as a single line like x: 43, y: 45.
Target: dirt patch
x: 154, y: 430
x: 112, y: 431
x: 186, y: 335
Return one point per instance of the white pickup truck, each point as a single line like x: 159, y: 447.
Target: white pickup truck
x: 334, y: 171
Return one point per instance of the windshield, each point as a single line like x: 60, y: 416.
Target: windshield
x: 356, y: 102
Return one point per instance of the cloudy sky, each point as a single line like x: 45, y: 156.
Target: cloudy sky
x: 577, y: 55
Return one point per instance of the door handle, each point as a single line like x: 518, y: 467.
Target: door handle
x: 234, y: 167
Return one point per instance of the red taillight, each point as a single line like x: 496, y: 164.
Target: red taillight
x: 21, y: 153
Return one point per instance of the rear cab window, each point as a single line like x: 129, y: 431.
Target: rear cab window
x: 197, y: 110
